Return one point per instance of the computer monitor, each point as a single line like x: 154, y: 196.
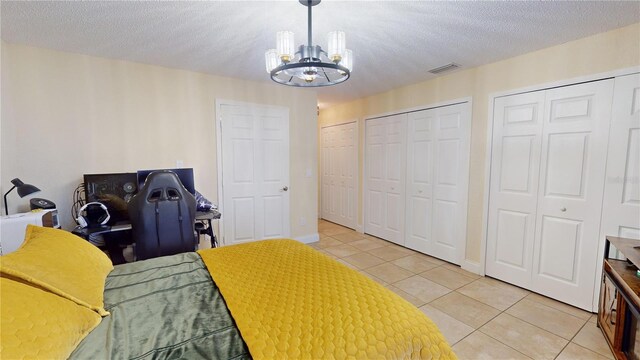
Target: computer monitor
x: 185, y: 176
x: 112, y: 190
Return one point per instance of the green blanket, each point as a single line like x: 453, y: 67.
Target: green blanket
x: 163, y: 308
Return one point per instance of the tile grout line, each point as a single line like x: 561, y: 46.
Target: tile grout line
x: 441, y: 265
x: 498, y: 340
x: 574, y: 336
x: 482, y: 332
x: 523, y: 320
x: 565, y: 312
x: 536, y: 326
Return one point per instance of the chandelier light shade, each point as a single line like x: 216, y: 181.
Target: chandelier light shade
x: 285, y: 45
x: 309, y: 65
x: 347, y: 59
x: 272, y: 59
x: 336, y: 45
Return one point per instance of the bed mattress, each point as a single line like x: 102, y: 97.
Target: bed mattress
x: 271, y: 299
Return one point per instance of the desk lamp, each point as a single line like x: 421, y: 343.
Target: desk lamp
x: 23, y: 190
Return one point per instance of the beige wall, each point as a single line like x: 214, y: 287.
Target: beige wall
x: 604, y: 52
x: 65, y: 115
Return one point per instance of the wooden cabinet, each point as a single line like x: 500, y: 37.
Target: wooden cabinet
x: 619, y: 308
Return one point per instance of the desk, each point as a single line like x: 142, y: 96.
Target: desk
x: 619, y: 308
x: 207, y: 217
x: 204, y: 218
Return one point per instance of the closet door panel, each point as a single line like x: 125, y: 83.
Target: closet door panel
x: 621, y: 213
x: 385, y: 177
x: 375, y: 167
x: 420, y: 150
x: 451, y: 157
x: 573, y: 162
x: 339, y: 163
x: 445, y: 229
x: 352, y: 175
x: 395, y: 177
x: 326, y: 177
x: 438, y: 165
x: 516, y: 148
x: 334, y: 171
x: 621, y: 205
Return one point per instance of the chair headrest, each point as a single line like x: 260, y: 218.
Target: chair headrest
x: 163, y: 185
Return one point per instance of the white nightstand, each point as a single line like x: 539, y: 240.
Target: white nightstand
x: 12, y: 227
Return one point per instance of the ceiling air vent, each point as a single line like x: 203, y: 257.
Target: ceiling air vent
x: 444, y: 68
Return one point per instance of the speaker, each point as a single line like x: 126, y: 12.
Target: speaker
x: 112, y: 190
x: 38, y: 203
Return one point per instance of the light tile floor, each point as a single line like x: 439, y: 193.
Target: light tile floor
x: 482, y: 318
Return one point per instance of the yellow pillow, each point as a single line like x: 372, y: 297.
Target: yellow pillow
x: 36, y: 324
x: 62, y: 263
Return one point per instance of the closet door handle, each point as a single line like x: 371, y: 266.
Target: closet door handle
x: 563, y: 209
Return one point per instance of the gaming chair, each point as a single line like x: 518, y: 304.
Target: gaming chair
x: 162, y: 217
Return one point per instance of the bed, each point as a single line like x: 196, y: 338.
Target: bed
x: 271, y: 299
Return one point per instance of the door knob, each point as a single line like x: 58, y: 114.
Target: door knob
x: 563, y: 209
x: 286, y: 188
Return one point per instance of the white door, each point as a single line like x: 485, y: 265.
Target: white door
x: 255, y: 172
x: 437, y: 181
x: 515, y: 163
x: 572, y: 167
x: 547, y: 179
x: 621, y: 205
x: 385, y: 177
x: 339, y: 166
x: 621, y: 212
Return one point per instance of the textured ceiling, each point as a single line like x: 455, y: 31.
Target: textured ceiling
x: 394, y: 43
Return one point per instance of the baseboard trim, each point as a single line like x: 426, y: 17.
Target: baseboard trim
x: 307, y: 239
x: 472, y: 266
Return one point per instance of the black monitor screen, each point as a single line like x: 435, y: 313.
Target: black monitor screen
x: 112, y: 190
x: 185, y: 176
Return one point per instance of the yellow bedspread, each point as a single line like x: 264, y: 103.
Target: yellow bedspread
x: 290, y: 301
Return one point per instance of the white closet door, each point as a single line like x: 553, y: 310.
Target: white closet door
x: 438, y: 173
x: 451, y: 181
x: 385, y: 177
x: 621, y: 211
x: 573, y: 162
x: 420, y: 170
x: 621, y: 205
x: 325, y: 161
x: 517, y: 130
x: 339, y: 166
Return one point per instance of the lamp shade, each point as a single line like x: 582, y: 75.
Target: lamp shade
x: 347, y: 60
x: 285, y: 45
x: 271, y: 59
x: 24, y: 189
x: 336, y: 45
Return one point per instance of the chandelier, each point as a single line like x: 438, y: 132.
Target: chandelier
x: 310, y: 66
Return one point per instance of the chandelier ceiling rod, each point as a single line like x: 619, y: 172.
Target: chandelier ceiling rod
x: 309, y: 6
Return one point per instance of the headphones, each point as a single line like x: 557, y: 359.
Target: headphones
x: 84, y: 221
